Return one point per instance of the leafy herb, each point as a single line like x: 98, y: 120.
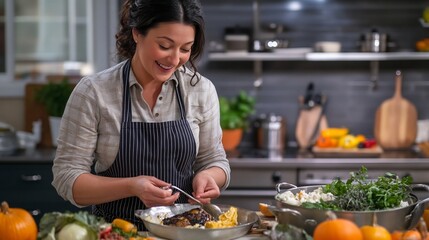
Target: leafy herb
x: 359, y: 193
x: 234, y: 112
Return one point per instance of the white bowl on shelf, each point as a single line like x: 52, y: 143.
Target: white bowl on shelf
x: 327, y: 46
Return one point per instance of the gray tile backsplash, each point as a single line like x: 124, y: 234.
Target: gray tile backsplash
x: 352, y: 103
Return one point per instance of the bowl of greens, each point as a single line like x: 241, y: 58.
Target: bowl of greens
x: 389, y: 199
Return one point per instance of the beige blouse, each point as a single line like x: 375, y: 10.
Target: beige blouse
x: 90, y: 127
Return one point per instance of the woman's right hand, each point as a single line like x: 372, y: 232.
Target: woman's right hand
x: 149, y: 190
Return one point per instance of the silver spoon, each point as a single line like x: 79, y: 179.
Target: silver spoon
x: 211, y: 209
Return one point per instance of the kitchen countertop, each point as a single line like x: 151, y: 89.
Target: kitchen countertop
x: 252, y: 158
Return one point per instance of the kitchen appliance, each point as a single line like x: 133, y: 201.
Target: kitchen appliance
x: 246, y: 219
x: 8, y: 140
x: 405, y: 217
x: 270, y: 132
x: 396, y: 120
x: 374, y: 41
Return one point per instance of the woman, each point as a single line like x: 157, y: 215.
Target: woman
x: 145, y: 123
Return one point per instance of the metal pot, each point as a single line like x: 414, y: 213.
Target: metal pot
x: 374, y: 41
x: 392, y: 219
x: 8, y: 140
x: 270, y: 132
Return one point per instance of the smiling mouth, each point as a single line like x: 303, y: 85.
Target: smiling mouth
x: 164, y: 66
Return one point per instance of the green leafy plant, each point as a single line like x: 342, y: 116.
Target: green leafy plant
x: 235, y: 111
x: 54, y: 97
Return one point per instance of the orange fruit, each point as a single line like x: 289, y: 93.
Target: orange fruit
x: 263, y: 208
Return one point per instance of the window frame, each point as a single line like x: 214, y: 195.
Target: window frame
x: 9, y: 43
x: 103, y: 25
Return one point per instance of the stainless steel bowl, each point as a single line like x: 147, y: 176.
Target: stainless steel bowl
x: 246, y: 219
x: 8, y: 142
x: 392, y: 219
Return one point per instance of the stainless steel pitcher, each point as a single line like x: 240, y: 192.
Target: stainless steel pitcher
x: 270, y: 132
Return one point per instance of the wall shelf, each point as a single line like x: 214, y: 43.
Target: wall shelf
x: 373, y: 58
x: 317, y: 56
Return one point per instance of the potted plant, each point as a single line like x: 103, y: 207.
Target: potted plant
x: 234, y: 114
x: 54, y: 96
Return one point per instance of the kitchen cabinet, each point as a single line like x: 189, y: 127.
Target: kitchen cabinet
x: 29, y: 186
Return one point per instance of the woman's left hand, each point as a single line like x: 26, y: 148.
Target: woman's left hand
x: 205, y: 187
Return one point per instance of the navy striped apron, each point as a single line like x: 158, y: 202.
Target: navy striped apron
x: 165, y: 150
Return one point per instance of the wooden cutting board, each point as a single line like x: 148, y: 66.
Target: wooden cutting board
x: 347, y: 153
x: 396, y: 120
x: 306, y: 123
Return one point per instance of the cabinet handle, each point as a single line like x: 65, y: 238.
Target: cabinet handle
x: 31, y: 178
x: 36, y: 212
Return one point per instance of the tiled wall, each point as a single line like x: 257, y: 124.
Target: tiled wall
x: 352, y: 102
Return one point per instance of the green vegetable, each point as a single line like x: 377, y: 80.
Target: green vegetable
x: 359, y: 193
x: 53, y: 223
x: 287, y: 231
x: 74, y: 231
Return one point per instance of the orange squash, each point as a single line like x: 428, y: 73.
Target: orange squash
x: 337, y: 229
x: 412, y: 234
x: 375, y: 233
x: 16, y: 224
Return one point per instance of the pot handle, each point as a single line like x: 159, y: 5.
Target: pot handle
x: 288, y: 185
x: 416, y: 213
x: 305, y: 222
x: 420, y: 186
x: 275, y: 209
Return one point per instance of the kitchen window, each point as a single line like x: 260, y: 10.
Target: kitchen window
x: 44, y: 38
x: 49, y: 34
x: 6, y: 39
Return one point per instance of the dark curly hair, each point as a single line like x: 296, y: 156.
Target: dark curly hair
x: 146, y: 14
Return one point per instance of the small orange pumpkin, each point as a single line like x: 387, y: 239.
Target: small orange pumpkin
x: 337, y: 229
x: 412, y: 234
x: 16, y: 224
x: 375, y: 231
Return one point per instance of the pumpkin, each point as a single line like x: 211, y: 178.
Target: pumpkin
x: 412, y: 234
x: 374, y: 231
x: 418, y: 233
x: 16, y: 224
x: 337, y: 229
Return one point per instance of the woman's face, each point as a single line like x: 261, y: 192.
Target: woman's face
x: 164, y: 49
